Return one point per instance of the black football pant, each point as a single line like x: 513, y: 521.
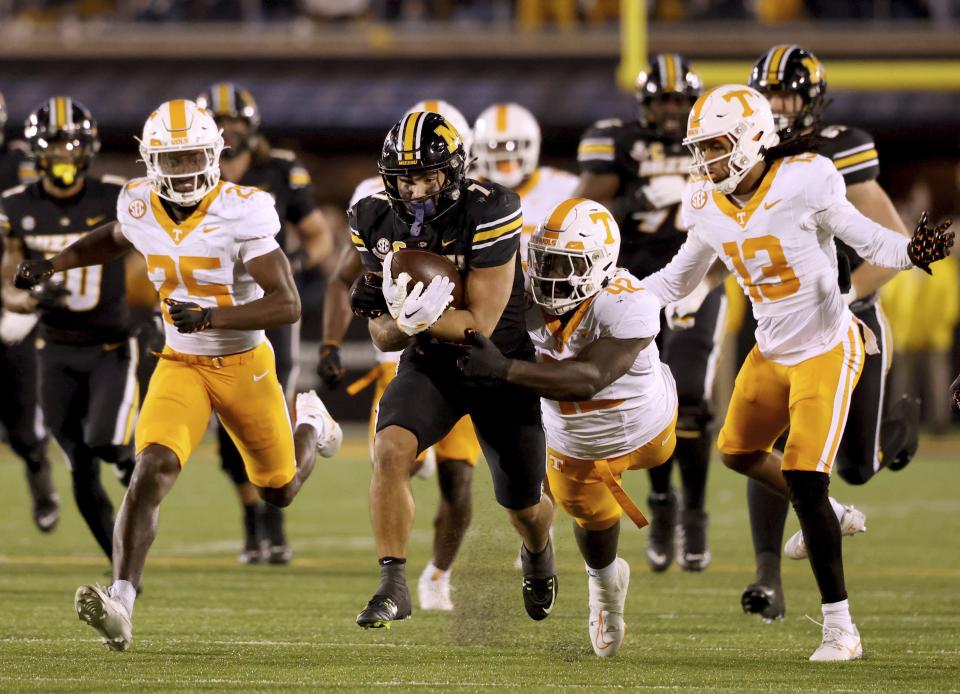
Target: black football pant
x: 862, y: 452
x: 20, y: 405
x: 89, y: 396
x: 692, y: 357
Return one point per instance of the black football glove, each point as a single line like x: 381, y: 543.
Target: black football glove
x: 30, y: 273
x: 929, y: 245
x: 482, y: 359
x: 366, y: 296
x: 329, y: 369
x: 50, y: 296
x: 955, y: 394
x: 187, y: 316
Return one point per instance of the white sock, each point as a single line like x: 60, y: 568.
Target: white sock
x: 837, y: 508
x: 436, y: 574
x: 125, y: 593
x: 837, y: 615
x: 607, y: 573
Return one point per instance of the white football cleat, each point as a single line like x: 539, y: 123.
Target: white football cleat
x: 106, y: 614
x: 428, y: 466
x: 838, y: 645
x: 607, y: 598
x: 433, y: 589
x: 852, y: 522
x: 312, y: 411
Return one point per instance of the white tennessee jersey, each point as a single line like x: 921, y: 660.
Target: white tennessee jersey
x: 545, y: 189
x: 366, y: 188
x: 201, y: 259
x: 633, y: 409
x: 779, y: 246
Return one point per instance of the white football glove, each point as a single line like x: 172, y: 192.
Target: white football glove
x: 14, y: 327
x: 394, y: 290
x: 680, y: 314
x: 423, y: 307
x: 663, y: 191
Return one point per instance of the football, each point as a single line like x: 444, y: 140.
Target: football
x: 423, y: 266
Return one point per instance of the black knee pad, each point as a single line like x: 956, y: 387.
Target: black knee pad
x: 808, y: 490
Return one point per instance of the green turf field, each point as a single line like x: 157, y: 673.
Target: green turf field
x: 204, y: 622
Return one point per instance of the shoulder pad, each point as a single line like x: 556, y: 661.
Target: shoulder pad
x: 16, y: 190
x: 135, y: 183
x: 285, y: 154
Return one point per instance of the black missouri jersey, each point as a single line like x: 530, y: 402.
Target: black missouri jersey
x: 636, y: 153
x: 16, y: 167
x: 96, y: 308
x: 855, y: 156
x: 287, y: 182
x: 481, y: 230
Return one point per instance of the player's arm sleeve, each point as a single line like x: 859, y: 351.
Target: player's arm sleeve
x: 260, y: 218
x: 597, y: 151
x: 684, y: 272
x: 835, y: 214
x: 857, y: 160
x: 496, y: 236
x: 369, y: 260
x: 629, y: 316
x: 301, y: 193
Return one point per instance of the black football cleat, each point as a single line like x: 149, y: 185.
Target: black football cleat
x: 902, y: 422
x: 764, y: 599
x: 384, y: 609
x: 539, y: 596
x: 661, y: 544
x: 45, y: 501
x: 694, y: 554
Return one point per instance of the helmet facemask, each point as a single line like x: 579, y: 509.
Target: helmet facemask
x: 507, y: 162
x: 738, y: 162
x: 562, y: 279
x: 183, y: 175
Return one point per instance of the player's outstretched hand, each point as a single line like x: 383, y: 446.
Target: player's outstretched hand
x: 482, y: 359
x: 50, y: 296
x: 929, y: 245
x: 329, y: 369
x: 187, y: 316
x: 423, y: 307
x: 366, y: 296
x: 955, y: 394
x: 30, y: 273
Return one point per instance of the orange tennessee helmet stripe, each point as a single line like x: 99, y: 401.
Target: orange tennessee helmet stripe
x: 501, y: 117
x: 560, y: 213
x: 698, y: 107
x: 431, y: 105
x: 178, y: 115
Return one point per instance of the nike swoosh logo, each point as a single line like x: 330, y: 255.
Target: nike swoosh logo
x: 768, y: 205
x: 93, y: 220
x: 261, y: 376
x: 853, y: 651
x: 444, y: 244
x: 207, y: 229
x: 601, y: 642
x: 408, y: 315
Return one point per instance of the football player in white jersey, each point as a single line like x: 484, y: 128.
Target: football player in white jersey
x: 456, y: 454
x: 771, y: 219
x: 211, y: 253
x: 506, y: 147
x: 609, y: 404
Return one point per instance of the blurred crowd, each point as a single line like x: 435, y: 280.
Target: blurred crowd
x: 531, y: 14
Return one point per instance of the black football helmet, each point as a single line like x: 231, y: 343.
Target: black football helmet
x: 667, y: 77
x: 226, y: 100
x: 423, y: 142
x: 61, y: 119
x: 787, y: 69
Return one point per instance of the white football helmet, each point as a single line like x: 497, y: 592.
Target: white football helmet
x: 572, y: 254
x: 453, y: 116
x: 740, y: 114
x: 181, y: 126
x: 507, y: 138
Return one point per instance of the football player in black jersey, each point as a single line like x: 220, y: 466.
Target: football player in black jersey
x: 428, y: 203
x: 638, y: 170
x: 794, y: 81
x: 87, y: 360
x: 247, y: 159
x: 19, y: 407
